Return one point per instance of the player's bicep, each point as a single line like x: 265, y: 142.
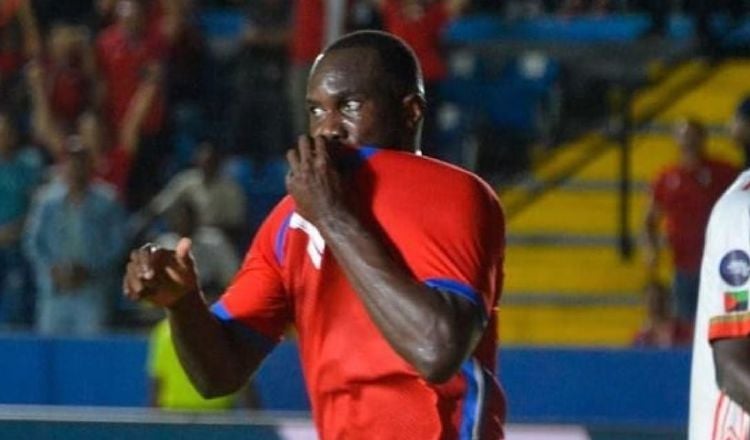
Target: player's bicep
x: 255, y: 306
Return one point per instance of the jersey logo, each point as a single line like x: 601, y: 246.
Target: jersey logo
x: 315, y: 244
x: 735, y: 268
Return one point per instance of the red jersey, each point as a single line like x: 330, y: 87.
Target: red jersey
x: 122, y: 61
x: 686, y: 197
x: 114, y: 168
x: 447, y: 227
x: 422, y: 33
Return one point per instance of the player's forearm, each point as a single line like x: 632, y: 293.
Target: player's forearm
x: 215, y: 360
x: 732, y: 360
x: 431, y: 330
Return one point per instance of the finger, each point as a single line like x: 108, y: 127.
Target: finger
x: 321, y: 151
x: 182, y: 252
x: 145, y: 261
x: 305, y: 151
x: 292, y: 156
x: 133, y: 287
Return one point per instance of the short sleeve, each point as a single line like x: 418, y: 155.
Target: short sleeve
x: 255, y: 301
x: 463, y: 250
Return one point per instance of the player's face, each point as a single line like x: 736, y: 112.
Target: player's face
x: 348, y: 103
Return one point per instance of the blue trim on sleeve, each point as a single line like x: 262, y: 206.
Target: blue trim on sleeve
x: 460, y: 289
x: 278, y: 248
x: 365, y: 152
x: 470, y: 411
x: 255, y: 338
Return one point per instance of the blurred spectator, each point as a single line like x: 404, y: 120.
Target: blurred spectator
x: 74, y: 12
x: 315, y: 23
x: 112, y: 158
x: 70, y: 72
x: 262, y: 179
x: 682, y: 195
x: 702, y: 12
x: 19, y: 41
x: 420, y: 23
x: 22, y: 12
x: 126, y: 51
x: 662, y: 328
x: 740, y: 128
x: 217, y: 259
x: 169, y: 386
x: 259, y: 78
x: 75, y: 240
x: 20, y: 170
x: 218, y: 200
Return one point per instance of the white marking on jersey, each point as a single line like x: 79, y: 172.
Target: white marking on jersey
x: 315, y: 245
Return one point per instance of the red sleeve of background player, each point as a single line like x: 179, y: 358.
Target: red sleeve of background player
x: 256, y: 299
x: 463, y: 247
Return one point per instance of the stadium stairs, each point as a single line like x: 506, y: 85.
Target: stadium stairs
x: 566, y: 282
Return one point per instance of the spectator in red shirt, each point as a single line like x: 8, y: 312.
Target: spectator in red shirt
x: 125, y: 50
x: 69, y: 72
x: 662, y: 328
x: 682, y: 196
x: 315, y: 23
x: 19, y: 40
x: 111, y: 159
x: 420, y: 24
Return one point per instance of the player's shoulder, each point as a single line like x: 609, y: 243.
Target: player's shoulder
x: 433, y: 174
x: 737, y: 197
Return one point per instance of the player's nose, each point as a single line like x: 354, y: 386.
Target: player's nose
x: 331, y: 128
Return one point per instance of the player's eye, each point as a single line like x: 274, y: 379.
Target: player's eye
x: 316, y: 111
x: 352, y: 105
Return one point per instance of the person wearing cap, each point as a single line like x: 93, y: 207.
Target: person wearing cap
x: 74, y: 238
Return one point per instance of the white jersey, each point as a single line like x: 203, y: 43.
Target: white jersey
x: 722, y: 313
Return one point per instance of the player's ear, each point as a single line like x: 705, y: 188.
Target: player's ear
x: 414, y: 106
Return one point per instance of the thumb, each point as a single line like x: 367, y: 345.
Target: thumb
x: 182, y: 251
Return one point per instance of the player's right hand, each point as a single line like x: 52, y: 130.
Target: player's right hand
x: 161, y: 276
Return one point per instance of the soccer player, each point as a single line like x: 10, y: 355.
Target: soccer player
x: 720, y: 380
x: 389, y: 264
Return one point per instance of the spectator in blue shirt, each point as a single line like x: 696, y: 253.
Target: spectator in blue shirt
x: 20, y: 169
x: 75, y: 239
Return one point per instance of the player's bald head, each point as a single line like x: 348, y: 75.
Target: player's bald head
x: 392, y: 64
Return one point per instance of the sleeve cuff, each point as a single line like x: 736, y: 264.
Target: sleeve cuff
x: 735, y: 325
x: 257, y: 339
x: 460, y: 289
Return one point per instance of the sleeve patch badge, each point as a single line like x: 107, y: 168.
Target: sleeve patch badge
x: 735, y: 301
x: 735, y: 268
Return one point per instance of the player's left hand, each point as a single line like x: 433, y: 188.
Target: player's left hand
x: 313, y: 181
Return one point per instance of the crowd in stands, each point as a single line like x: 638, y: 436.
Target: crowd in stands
x: 107, y: 139
x: 120, y: 123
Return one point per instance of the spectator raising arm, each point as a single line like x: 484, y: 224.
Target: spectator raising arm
x: 138, y: 109
x: 32, y: 41
x: 43, y: 125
